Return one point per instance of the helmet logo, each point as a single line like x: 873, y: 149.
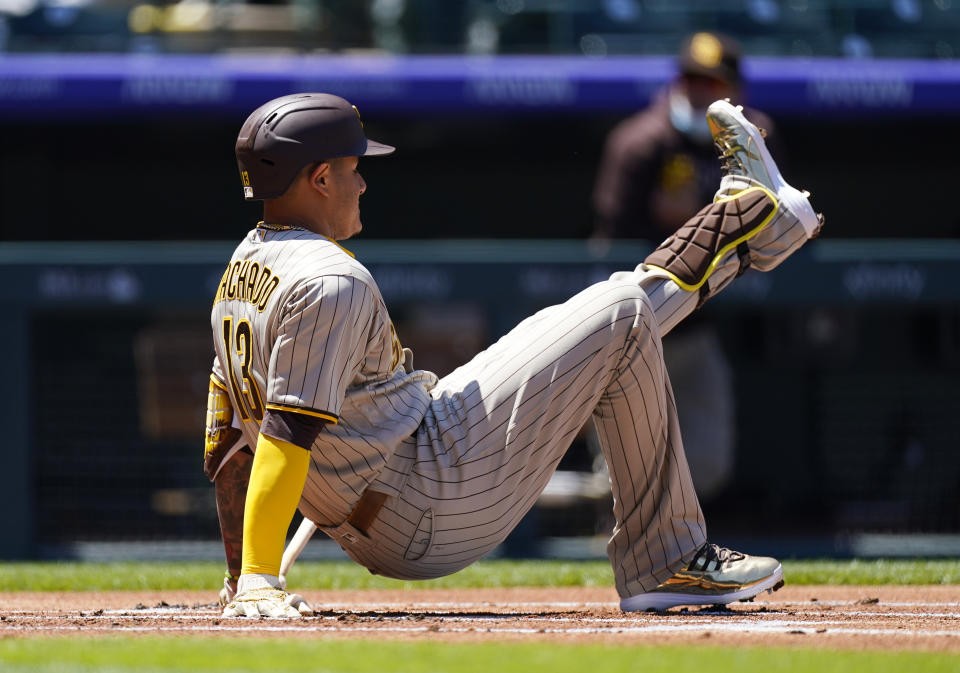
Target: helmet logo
x: 358, y: 114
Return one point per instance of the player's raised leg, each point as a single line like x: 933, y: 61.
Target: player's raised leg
x: 756, y: 221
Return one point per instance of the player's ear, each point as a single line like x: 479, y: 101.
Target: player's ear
x: 319, y: 176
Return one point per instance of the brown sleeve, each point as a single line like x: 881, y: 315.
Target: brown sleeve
x: 288, y: 426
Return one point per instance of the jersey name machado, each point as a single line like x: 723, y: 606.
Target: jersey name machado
x: 300, y: 325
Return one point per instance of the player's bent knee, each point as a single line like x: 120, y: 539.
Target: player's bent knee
x: 623, y: 289
x: 625, y: 298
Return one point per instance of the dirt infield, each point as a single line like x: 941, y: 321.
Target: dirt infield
x: 883, y: 617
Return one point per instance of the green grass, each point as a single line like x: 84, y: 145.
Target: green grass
x: 203, y: 655
x: 287, y: 652
x: 872, y: 572
x: 69, y: 576
x: 66, y: 576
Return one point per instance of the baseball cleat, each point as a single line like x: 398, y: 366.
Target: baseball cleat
x: 756, y: 219
x: 715, y: 576
x: 746, y: 161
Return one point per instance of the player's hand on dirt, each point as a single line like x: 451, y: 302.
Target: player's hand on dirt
x: 268, y: 603
x: 261, y: 596
x: 229, y: 590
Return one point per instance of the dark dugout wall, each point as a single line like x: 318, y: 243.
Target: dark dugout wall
x: 503, y: 177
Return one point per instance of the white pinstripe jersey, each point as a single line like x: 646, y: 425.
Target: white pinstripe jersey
x: 300, y: 325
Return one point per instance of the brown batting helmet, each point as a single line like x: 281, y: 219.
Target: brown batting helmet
x: 285, y: 134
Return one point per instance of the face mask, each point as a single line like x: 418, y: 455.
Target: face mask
x: 689, y: 121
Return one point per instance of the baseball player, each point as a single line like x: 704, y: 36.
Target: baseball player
x: 418, y: 477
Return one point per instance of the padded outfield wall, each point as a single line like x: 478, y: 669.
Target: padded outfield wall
x: 845, y: 359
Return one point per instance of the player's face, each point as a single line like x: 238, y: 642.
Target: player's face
x: 345, y: 186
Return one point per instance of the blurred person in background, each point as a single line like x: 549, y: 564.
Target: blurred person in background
x: 658, y: 168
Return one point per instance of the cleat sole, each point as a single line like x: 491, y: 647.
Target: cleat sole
x: 658, y: 601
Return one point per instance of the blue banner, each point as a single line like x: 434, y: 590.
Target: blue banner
x: 131, y: 85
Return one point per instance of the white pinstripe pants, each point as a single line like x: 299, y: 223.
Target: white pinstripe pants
x: 499, y: 425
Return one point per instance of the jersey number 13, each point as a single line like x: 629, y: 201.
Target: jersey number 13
x: 245, y: 391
